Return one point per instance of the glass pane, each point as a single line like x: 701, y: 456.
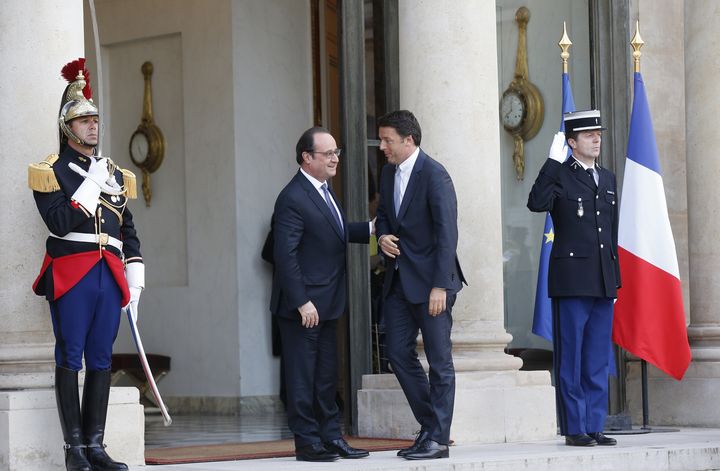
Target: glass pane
x: 522, y: 230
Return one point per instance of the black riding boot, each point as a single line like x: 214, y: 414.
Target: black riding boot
x: 68, y: 404
x: 94, y: 407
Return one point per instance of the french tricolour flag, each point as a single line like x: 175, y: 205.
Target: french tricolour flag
x: 649, y: 316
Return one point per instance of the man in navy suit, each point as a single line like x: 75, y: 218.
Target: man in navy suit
x: 417, y: 231
x: 583, y: 275
x: 309, y: 294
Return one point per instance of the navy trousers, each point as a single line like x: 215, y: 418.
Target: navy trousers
x: 310, y: 360
x: 431, y: 400
x: 581, y: 338
x: 86, y: 321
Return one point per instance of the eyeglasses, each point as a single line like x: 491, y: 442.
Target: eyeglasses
x: 328, y: 154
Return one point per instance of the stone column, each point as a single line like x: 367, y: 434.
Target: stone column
x: 38, y: 37
x: 449, y: 81
x: 693, y: 401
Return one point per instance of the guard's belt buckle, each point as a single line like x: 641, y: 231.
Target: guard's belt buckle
x: 103, y: 238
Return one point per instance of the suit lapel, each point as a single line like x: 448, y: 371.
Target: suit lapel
x: 319, y: 202
x: 412, y: 185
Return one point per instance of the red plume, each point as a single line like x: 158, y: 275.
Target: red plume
x: 70, y: 71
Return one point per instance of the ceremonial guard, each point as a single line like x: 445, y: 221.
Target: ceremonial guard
x: 583, y: 274
x: 92, y: 267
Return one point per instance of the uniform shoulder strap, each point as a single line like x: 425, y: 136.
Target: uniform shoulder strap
x: 130, y: 183
x: 41, y: 176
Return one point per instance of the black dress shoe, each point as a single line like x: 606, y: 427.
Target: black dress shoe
x: 422, y: 435
x: 602, y: 440
x: 315, y: 452
x: 342, y: 448
x: 428, y: 450
x: 581, y: 439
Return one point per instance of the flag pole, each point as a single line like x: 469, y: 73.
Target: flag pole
x: 564, y: 45
x: 645, y: 408
x: 637, y: 43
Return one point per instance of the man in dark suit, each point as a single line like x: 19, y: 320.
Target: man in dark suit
x: 583, y: 274
x: 309, y: 294
x: 417, y: 231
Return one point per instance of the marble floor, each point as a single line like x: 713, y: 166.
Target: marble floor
x: 189, y: 430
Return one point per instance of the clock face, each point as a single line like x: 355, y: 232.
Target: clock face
x: 139, y: 147
x: 511, y: 110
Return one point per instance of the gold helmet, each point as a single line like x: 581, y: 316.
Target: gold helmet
x: 76, y: 101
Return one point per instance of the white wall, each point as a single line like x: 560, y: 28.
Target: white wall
x: 189, y: 308
x: 272, y: 68
x: 232, y: 94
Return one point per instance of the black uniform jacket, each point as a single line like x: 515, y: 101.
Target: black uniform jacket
x: 62, y: 216
x: 583, y: 260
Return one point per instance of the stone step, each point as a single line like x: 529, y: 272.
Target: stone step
x: 687, y: 449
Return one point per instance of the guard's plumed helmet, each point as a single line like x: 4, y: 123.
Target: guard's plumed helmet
x: 76, y: 100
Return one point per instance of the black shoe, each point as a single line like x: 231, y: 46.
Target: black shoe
x: 315, y: 452
x: 343, y: 448
x: 428, y: 450
x: 581, y: 439
x: 94, y: 411
x: 422, y: 435
x: 602, y: 440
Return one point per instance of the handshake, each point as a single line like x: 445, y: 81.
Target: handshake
x: 99, y: 174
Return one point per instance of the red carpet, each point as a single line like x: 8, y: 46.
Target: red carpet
x: 254, y: 450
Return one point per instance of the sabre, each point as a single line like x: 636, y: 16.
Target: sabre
x: 99, y: 85
x: 167, y: 420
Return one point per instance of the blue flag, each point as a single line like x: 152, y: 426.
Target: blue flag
x: 542, y: 317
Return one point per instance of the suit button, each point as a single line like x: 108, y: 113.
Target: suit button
x: 597, y: 212
x: 601, y: 246
x: 613, y: 203
x: 102, y: 221
x: 599, y: 229
x: 598, y: 196
x: 572, y: 254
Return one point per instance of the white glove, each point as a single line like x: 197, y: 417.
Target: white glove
x: 134, y: 301
x: 135, y: 275
x: 559, y: 148
x: 99, y: 174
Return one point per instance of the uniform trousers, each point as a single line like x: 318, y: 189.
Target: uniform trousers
x: 581, y: 336
x: 86, y: 320
x: 431, y: 399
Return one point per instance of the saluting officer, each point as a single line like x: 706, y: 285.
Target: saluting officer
x: 92, y: 268
x: 583, y: 275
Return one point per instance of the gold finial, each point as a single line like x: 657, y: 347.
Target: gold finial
x: 565, y: 44
x: 636, y: 44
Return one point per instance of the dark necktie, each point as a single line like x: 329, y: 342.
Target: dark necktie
x: 591, y: 172
x: 331, y: 206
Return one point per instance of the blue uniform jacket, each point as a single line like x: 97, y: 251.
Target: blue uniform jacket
x: 583, y: 260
